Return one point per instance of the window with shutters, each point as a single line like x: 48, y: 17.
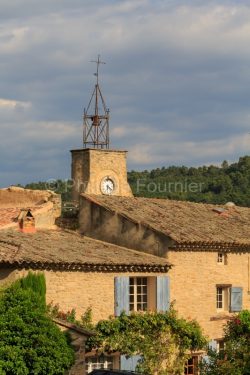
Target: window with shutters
x: 228, y: 298
x: 141, y: 294
x: 222, y: 298
x: 138, y: 293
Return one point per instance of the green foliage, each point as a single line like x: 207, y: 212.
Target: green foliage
x: 35, y: 282
x: 86, y: 319
x: 30, y: 343
x: 162, y: 339
x: 235, y: 358
x: 230, y: 182
x: 70, y: 316
x: 216, y: 185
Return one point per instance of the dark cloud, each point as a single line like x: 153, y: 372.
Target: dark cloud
x: 176, y: 81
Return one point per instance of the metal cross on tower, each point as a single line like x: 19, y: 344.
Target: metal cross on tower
x: 96, y: 117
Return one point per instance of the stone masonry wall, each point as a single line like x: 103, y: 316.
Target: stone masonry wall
x: 97, y: 222
x: 193, y: 285
x: 194, y: 275
x: 193, y: 281
x: 78, y: 290
x: 19, y: 197
x: 101, y: 163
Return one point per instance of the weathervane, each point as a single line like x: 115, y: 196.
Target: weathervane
x: 96, y: 117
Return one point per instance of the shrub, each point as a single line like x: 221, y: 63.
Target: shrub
x: 235, y: 358
x: 162, y: 340
x: 30, y: 343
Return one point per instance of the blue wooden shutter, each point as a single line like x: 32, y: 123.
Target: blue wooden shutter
x: 162, y: 293
x: 121, y: 295
x: 236, y: 299
x: 130, y: 363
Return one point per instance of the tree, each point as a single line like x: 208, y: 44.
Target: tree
x: 235, y: 358
x: 162, y: 339
x: 30, y: 343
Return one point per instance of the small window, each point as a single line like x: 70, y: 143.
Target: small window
x: 191, y: 366
x: 221, y: 258
x: 222, y: 298
x: 99, y: 362
x: 138, y: 294
x: 220, y: 345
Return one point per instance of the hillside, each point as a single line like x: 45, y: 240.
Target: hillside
x: 208, y: 184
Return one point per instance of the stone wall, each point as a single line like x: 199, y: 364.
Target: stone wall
x: 193, y: 285
x: 78, y: 290
x: 101, y: 163
x: 194, y: 275
x: 98, y: 222
x: 18, y: 197
x: 193, y: 281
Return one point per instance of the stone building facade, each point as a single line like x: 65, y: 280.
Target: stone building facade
x: 84, y: 273
x: 208, y: 245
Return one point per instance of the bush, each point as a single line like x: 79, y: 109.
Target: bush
x: 235, y: 358
x: 30, y: 343
x: 162, y: 340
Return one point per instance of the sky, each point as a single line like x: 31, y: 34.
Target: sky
x: 176, y: 80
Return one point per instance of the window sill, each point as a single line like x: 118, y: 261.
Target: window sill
x: 225, y: 315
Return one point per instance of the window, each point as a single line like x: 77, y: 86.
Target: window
x: 220, y: 345
x: 221, y: 258
x: 229, y: 298
x: 99, y: 362
x: 141, y: 294
x: 191, y: 366
x: 222, y: 298
x: 138, y: 293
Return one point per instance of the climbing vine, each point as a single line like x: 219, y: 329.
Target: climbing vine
x: 163, y: 340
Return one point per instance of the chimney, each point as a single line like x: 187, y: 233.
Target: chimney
x: 26, y: 221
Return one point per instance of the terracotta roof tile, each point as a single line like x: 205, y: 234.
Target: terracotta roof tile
x: 9, y: 216
x: 67, y: 249
x: 185, y: 222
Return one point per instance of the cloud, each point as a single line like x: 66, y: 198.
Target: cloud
x: 177, y: 81
x: 14, y: 104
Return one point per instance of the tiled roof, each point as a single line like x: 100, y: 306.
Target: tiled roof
x: 69, y: 250
x: 184, y: 222
x: 8, y: 216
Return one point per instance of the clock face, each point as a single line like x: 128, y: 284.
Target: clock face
x: 107, y: 186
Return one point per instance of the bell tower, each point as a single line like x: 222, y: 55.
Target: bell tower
x: 96, y: 169
x: 96, y: 117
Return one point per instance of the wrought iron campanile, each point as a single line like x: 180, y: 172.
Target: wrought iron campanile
x: 96, y: 117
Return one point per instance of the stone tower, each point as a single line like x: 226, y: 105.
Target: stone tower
x: 96, y: 169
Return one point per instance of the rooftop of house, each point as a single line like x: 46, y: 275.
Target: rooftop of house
x: 15, y: 199
x: 74, y: 327
x: 68, y: 250
x: 8, y: 216
x: 186, y: 223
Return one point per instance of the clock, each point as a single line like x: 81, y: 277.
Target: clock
x: 107, y: 186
